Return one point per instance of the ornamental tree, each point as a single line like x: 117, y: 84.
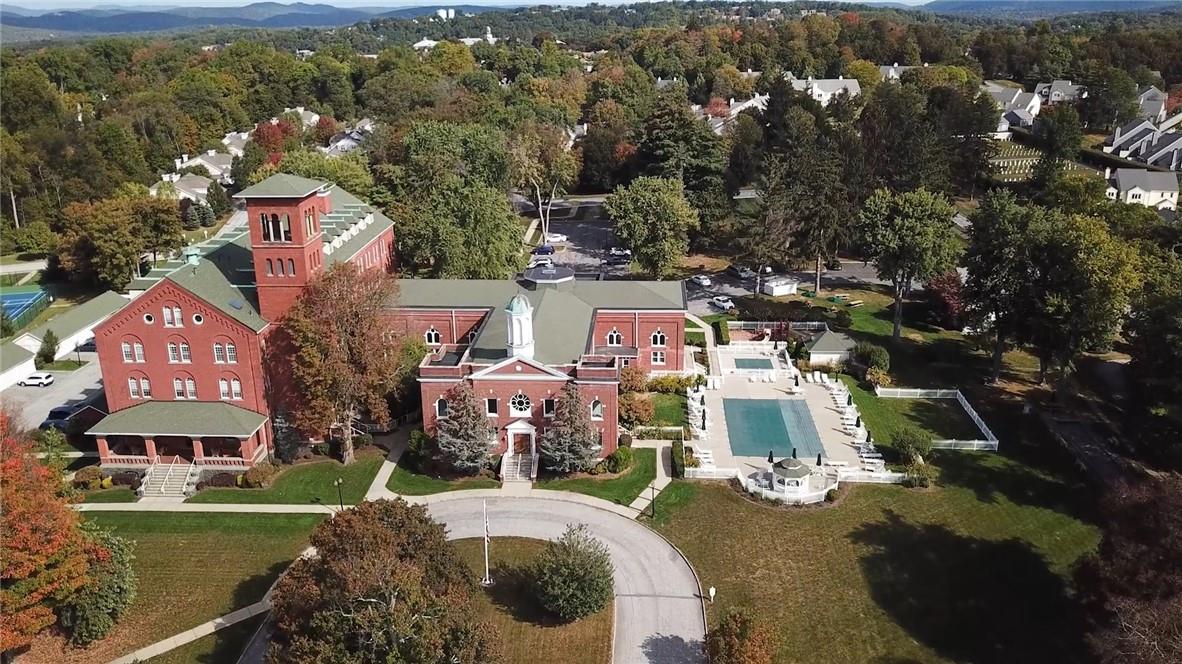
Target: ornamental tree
x: 653, y: 219
x: 572, y: 576
x: 43, y: 553
x: 339, y: 361
x: 385, y: 585
x: 463, y: 435
x: 568, y: 444
x: 909, y: 237
x: 740, y: 639
x: 92, y: 611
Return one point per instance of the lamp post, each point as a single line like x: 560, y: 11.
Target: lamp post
x: 340, y: 498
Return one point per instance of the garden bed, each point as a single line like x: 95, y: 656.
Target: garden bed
x: 621, y: 489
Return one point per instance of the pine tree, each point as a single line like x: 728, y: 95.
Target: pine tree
x: 463, y: 435
x: 205, y: 216
x: 48, y: 351
x: 568, y: 443
x: 218, y: 199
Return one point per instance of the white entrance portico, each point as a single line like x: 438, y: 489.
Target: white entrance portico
x: 521, y: 454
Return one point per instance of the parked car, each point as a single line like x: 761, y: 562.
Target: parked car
x: 619, y: 251
x: 618, y: 260
x: 701, y: 280
x: 57, y: 418
x: 541, y: 261
x: 741, y: 272
x: 39, y: 379
x: 544, y: 250
x: 833, y: 264
x: 722, y: 302
x: 555, y: 237
x: 88, y: 347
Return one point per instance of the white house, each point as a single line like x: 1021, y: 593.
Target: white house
x: 16, y: 363
x: 235, y: 142
x: 217, y: 164
x: 1153, y: 189
x: 825, y: 90
x: 1151, y: 104
x: 189, y: 186
x: 1143, y: 141
x: 894, y: 72
x: 425, y: 44
x: 1059, y: 90
x: 734, y: 108
x: 307, y: 117
x: 350, y: 139
x: 1017, y: 108
x: 488, y: 38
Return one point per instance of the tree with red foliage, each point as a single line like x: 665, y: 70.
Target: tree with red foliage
x: 1133, y: 585
x: 325, y: 129
x: 341, y: 363
x: 273, y: 137
x: 945, y: 293
x: 1174, y: 99
x: 718, y: 108
x: 43, y: 552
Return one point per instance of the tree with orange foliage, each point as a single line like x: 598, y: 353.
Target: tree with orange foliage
x: 326, y: 127
x: 739, y: 639
x: 43, y: 552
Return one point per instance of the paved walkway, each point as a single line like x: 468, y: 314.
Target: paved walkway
x: 664, y: 473
x: 20, y: 268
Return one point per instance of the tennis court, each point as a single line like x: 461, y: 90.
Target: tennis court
x: 753, y: 363
x: 755, y: 426
x: 18, y: 303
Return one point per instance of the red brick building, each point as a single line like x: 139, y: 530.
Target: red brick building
x: 182, y: 362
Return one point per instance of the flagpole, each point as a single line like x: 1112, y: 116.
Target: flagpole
x: 487, y: 580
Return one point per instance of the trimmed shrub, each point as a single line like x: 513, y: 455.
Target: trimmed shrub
x: 671, y: 383
x: 321, y: 449
x: 88, y: 478
x: 222, y: 480
x: 127, y: 478
x: 678, y: 461
x: 632, y: 379
x: 872, y: 356
x: 572, y: 576
x: 634, y: 410
x: 913, y: 444
x: 362, y: 441
x: 722, y: 333
x: 919, y: 475
x: 831, y: 495
x: 842, y: 320
x: 878, y: 378
x: 620, y: 460
x: 598, y: 469
x: 259, y: 476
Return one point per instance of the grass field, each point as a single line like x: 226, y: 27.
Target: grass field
x: 621, y: 490
x: 63, y: 365
x: 969, y: 571
x: 527, y: 632
x: 668, y: 410
x: 192, y: 568
x: 307, y: 483
x: 119, y: 494
x: 411, y: 483
x: 941, y: 418
x: 224, y: 645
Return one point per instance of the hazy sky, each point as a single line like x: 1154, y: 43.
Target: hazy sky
x: 82, y: 4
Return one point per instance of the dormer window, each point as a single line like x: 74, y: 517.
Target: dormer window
x: 432, y: 337
x: 658, y: 338
x: 614, y: 338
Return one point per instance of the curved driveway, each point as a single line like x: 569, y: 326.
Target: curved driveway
x: 658, y: 614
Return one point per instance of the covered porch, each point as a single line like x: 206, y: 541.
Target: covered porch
x: 206, y: 434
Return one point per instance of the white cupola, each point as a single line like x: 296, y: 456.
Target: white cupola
x: 520, y: 319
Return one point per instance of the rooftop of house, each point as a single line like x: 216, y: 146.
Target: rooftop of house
x: 75, y: 319
x: 1126, y: 179
x: 563, y: 312
x: 829, y: 341
x: 189, y: 182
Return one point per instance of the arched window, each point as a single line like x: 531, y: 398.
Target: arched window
x: 291, y: 267
x: 614, y: 338
x: 174, y: 353
x: 286, y: 228
x: 178, y: 388
x: 184, y: 387
x: 139, y: 351
x: 264, y: 227
x: 145, y: 388
x: 658, y: 338
x: 597, y: 410
x: 133, y: 387
x: 441, y: 407
x: 223, y: 389
x: 270, y: 268
x: 139, y: 387
x: 432, y: 337
x: 191, y: 388
x: 235, y: 389
x: 186, y: 354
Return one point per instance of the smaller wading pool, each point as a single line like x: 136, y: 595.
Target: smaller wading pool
x: 753, y: 363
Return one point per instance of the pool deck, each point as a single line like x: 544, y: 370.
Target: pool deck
x: 826, y: 417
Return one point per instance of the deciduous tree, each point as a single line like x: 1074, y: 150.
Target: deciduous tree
x: 572, y: 576
x: 93, y: 610
x: 740, y: 639
x: 653, y: 219
x: 541, y: 164
x: 341, y: 364
x: 463, y: 434
x: 568, y: 443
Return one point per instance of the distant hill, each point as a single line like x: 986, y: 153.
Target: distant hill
x: 258, y: 15
x: 1044, y: 8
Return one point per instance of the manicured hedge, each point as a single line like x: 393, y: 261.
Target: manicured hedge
x: 678, y: 459
x: 722, y: 333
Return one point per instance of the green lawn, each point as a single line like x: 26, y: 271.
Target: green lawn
x: 224, y: 645
x: 940, y: 418
x: 669, y: 410
x: 411, y: 483
x: 119, y: 494
x: 306, y: 483
x: 63, y: 365
x: 528, y: 633
x: 695, y: 338
x: 192, y: 568
x: 621, y: 490
x: 969, y: 571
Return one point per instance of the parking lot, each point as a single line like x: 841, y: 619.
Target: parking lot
x: 30, y: 405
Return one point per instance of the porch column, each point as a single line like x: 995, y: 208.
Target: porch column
x: 150, y: 447
x: 198, y: 449
x: 104, y: 450
x: 245, y: 449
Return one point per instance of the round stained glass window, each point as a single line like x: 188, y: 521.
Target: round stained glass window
x: 519, y: 402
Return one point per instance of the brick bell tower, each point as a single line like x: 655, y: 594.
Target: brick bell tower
x: 283, y: 213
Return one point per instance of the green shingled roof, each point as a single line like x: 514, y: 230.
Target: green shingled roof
x: 87, y: 314
x: 181, y: 418
x: 281, y: 185
x: 830, y: 342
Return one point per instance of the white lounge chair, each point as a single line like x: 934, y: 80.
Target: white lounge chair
x: 816, y: 376
x: 825, y: 379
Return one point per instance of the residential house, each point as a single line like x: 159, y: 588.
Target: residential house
x: 217, y: 164
x: 734, y: 108
x: 825, y: 90
x: 1153, y: 189
x: 1143, y: 141
x: 349, y: 139
x: 235, y: 142
x: 308, y: 118
x: 190, y: 187
x: 1151, y: 104
x: 1059, y: 91
x: 1017, y: 108
x: 894, y: 72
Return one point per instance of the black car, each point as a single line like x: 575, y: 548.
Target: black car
x: 57, y: 418
x: 833, y: 265
x: 88, y: 347
x: 544, y: 250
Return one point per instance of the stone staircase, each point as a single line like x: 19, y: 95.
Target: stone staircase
x: 166, y: 481
x: 517, y: 468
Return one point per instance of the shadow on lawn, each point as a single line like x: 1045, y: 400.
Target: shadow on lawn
x: 511, y: 593
x: 969, y: 599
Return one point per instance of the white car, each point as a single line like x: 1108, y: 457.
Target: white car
x: 701, y: 280
x: 722, y: 302
x: 541, y: 261
x: 40, y: 379
x: 618, y: 251
x: 553, y: 238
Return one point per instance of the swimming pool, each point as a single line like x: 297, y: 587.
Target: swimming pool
x: 755, y: 426
x: 753, y: 363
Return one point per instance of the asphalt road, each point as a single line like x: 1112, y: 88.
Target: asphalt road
x: 32, y: 404
x: 21, y: 268
x: 658, y: 613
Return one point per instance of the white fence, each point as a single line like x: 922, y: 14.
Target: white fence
x: 867, y: 477
x: 711, y: 473
x: 990, y: 441
x: 803, y: 498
